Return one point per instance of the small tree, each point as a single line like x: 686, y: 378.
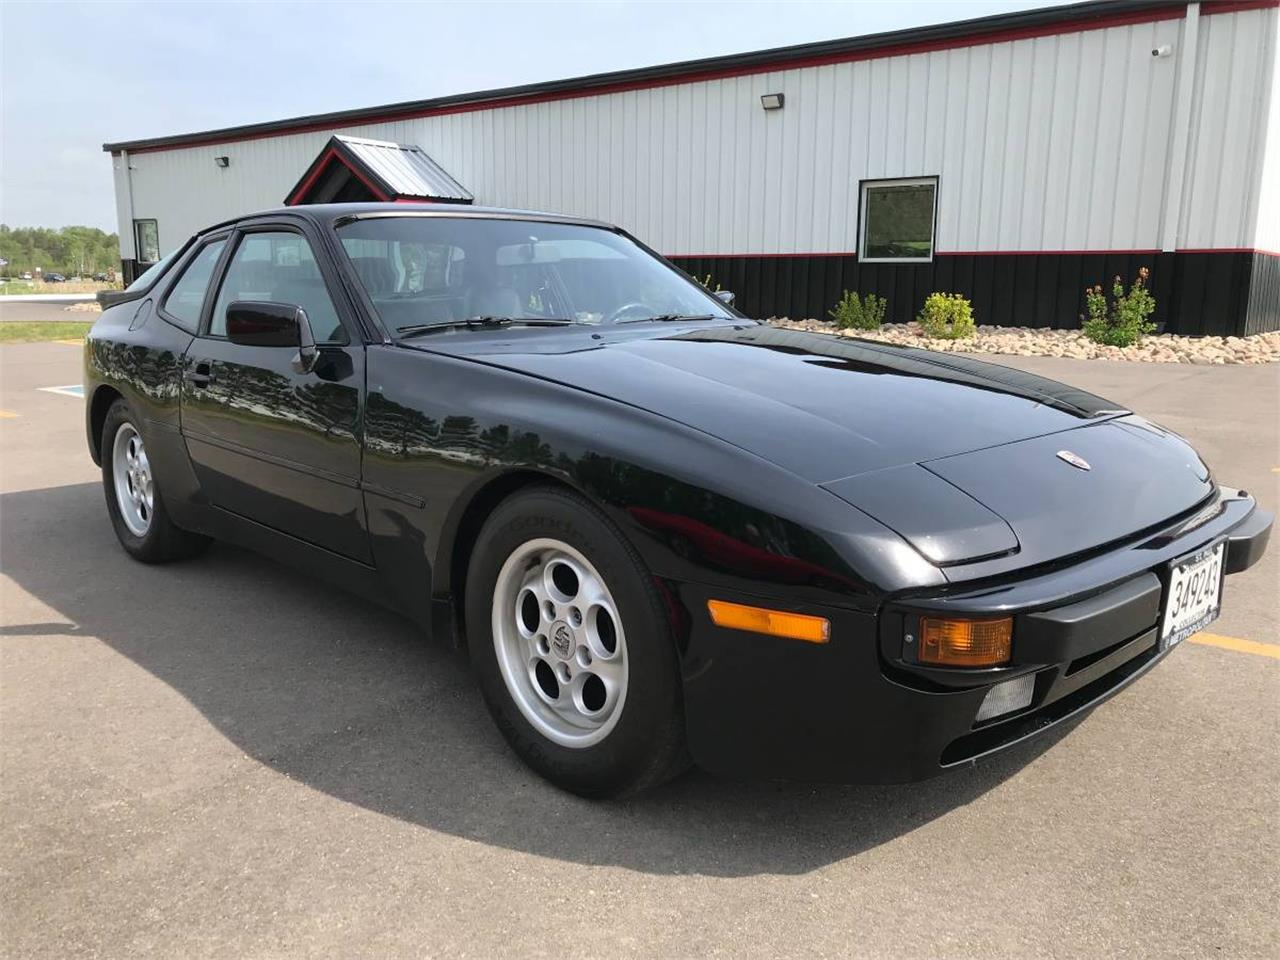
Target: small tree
x: 853, y: 313
x: 1121, y: 320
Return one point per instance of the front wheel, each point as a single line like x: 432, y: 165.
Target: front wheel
x: 572, y: 647
x: 134, y: 500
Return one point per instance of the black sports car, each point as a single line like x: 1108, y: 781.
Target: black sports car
x: 662, y: 531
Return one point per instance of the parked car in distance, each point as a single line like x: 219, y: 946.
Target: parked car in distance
x: 662, y: 531
x: 101, y: 278
x: 25, y: 275
x: 54, y: 278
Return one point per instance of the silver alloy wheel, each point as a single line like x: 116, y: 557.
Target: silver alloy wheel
x: 560, y: 643
x: 135, y: 489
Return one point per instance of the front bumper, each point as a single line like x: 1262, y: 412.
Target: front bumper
x: 855, y: 710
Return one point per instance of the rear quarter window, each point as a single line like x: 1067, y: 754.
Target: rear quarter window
x: 186, y: 296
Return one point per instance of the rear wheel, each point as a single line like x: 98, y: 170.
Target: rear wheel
x: 572, y: 647
x: 134, y: 500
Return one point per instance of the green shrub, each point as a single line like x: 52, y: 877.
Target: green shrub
x: 947, y: 316
x: 1121, y: 320
x: 852, y: 313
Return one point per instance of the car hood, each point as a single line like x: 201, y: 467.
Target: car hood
x: 965, y: 460
x: 823, y: 407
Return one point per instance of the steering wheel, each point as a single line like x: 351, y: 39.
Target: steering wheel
x: 631, y: 308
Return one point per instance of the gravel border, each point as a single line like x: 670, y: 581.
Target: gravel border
x: 1036, y: 342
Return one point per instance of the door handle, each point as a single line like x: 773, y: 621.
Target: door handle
x: 201, y: 375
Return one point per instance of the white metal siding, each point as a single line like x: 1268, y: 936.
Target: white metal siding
x: 124, y: 216
x: 1267, y: 233
x: 1228, y: 129
x: 1051, y: 143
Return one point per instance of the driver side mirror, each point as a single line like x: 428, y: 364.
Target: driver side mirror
x: 255, y: 323
x: 726, y: 297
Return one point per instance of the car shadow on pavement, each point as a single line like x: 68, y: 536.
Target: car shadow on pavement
x: 354, y: 701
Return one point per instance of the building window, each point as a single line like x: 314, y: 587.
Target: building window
x: 147, y: 236
x: 898, y: 219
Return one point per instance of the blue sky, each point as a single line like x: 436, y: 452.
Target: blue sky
x: 73, y: 76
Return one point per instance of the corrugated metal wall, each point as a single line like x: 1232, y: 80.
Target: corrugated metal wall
x: 1056, y: 143
x: 1267, y: 234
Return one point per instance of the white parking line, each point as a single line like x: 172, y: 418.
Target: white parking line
x: 70, y: 390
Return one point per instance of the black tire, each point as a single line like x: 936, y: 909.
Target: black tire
x: 646, y: 746
x: 163, y: 542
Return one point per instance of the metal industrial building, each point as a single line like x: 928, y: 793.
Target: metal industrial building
x: 1014, y: 159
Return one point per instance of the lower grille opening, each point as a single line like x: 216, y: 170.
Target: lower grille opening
x: 997, y: 735
x: 1078, y: 664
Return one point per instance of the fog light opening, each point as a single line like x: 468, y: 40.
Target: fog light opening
x: 1007, y: 697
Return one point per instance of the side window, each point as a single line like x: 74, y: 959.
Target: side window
x: 185, y: 298
x: 278, y: 267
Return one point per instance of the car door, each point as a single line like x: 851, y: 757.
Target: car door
x: 269, y: 443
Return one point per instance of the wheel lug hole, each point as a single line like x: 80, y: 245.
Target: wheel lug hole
x: 562, y: 671
x: 544, y: 648
x: 575, y: 616
x: 549, y: 610
x: 584, y: 657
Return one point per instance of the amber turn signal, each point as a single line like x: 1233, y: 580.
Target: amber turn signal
x: 966, y: 643
x: 776, y: 623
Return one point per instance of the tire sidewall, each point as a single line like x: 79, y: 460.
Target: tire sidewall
x: 652, y: 702
x: 140, y: 547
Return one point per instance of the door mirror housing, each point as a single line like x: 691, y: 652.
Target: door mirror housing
x: 255, y: 323
x: 726, y: 297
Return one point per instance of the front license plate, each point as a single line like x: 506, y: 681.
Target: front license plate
x: 1195, y: 594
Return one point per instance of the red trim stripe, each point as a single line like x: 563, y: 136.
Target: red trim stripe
x: 1265, y: 253
x: 726, y: 256
x: 329, y: 157
x: 1036, y: 253
x: 1211, y: 7
x: 971, y: 253
x: 1007, y: 35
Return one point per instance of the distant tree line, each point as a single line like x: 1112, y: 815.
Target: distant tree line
x: 69, y: 250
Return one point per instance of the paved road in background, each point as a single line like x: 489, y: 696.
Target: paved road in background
x: 27, y: 310
x: 223, y: 758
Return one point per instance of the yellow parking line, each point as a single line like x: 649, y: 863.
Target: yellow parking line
x: 1271, y: 650
x: 6, y: 414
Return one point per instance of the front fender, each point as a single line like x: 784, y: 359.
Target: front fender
x: 441, y: 431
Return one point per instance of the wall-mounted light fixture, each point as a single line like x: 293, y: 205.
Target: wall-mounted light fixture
x: 222, y: 161
x: 771, y: 101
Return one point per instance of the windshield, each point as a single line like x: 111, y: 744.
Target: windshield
x: 444, y: 270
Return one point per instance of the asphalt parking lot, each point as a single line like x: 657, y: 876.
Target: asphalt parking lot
x: 224, y: 759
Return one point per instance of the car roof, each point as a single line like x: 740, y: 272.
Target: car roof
x: 328, y: 214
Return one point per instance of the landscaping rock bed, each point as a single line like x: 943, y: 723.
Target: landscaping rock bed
x: 1033, y: 342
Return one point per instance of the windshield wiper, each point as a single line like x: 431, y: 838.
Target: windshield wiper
x: 673, y: 317
x: 481, y: 323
